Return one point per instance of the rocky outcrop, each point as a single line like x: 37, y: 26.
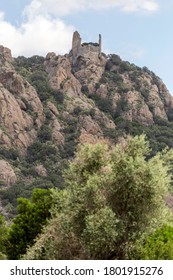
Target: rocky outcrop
x: 88, y: 63
x: 90, y: 131
x: 102, y: 91
x: 5, y: 139
x: 5, y: 57
x: 89, y: 72
x: 7, y: 174
x: 57, y: 136
x: 158, y: 98
x: 21, y: 111
x: 165, y: 96
x: 137, y: 109
x: 52, y: 108
x: 60, y: 75
x: 58, y: 69
x: 41, y: 170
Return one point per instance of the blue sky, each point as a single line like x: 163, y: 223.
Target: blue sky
x: 140, y: 31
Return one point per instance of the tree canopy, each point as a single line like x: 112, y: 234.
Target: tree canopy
x: 32, y: 215
x: 3, y: 237
x: 113, y: 197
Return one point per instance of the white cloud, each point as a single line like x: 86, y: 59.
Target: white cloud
x: 37, y: 36
x: 66, y: 7
x: 142, y: 5
x: 43, y: 29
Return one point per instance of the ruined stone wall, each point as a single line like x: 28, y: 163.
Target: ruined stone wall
x: 89, y: 51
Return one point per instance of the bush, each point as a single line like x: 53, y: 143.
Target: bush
x: 124, y: 66
x: 58, y: 96
x: 122, y: 106
x: 122, y: 87
x: 11, y: 153
x: 114, y: 59
x: 92, y: 112
x: 41, y: 152
x: 44, y: 134
x: 77, y: 110
x: 84, y: 89
x: 159, y: 245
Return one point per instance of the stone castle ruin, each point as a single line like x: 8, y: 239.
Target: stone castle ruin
x: 91, y: 51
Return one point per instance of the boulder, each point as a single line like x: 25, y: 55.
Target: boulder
x: 7, y: 174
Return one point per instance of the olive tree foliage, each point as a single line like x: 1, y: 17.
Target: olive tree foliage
x: 113, y: 197
x: 3, y: 237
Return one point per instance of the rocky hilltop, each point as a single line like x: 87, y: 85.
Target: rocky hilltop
x: 49, y: 105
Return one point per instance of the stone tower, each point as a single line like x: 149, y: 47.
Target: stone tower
x: 100, y: 45
x: 91, y: 51
x: 76, y: 43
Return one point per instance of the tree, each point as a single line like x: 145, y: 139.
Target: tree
x: 3, y: 237
x: 113, y: 197
x: 32, y: 215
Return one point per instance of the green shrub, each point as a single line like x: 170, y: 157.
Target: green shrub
x: 41, y: 152
x: 31, y: 217
x: 11, y: 153
x: 77, y: 110
x: 45, y: 133
x: 159, y: 245
x: 58, y: 95
x: 124, y: 66
x: 3, y: 237
x: 122, y: 106
x: 122, y: 87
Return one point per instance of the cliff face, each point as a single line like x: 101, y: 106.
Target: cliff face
x: 18, y: 126
x: 49, y: 105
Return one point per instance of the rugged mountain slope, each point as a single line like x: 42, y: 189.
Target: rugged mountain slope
x: 49, y: 105
x: 18, y: 125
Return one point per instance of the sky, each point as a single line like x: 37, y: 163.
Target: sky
x: 139, y: 31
